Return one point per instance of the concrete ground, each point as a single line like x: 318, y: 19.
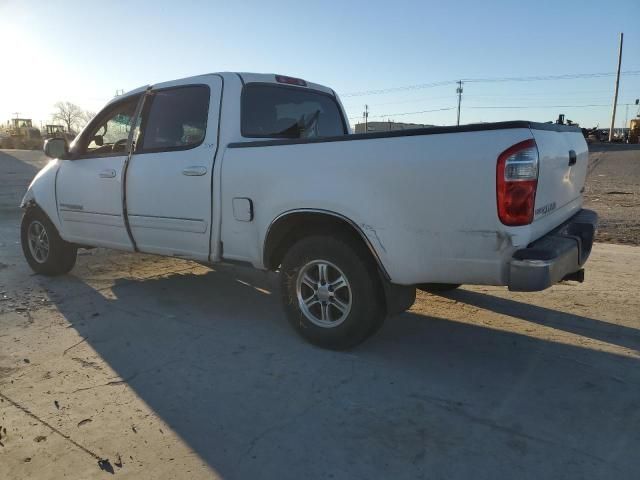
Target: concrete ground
x: 613, y: 190
x: 168, y: 369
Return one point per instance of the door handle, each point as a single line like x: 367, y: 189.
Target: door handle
x: 108, y: 173
x: 573, y: 158
x: 194, y: 171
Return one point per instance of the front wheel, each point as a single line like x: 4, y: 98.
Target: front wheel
x: 45, y: 251
x: 332, y: 292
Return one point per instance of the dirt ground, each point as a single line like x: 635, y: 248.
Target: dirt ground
x: 613, y: 190
x: 161, y: 368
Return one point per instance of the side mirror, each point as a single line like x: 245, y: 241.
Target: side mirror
x: 98, y: 140
x: 56, y: 148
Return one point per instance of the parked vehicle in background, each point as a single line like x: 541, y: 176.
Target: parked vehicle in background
x: 262, y: 170
x: 591, y: 135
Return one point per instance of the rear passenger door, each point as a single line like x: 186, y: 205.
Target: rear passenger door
x: 168, y: 190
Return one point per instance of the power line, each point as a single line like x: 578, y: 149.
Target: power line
x: 570, y: 76
x: 415, y: 101
x: 403, y: 113
x: 535, y: 78
x: 546, y: 106
x: 411, y: 100
x: 397, y: 89
x: 486, y: 107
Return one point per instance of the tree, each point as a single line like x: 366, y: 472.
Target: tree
x: 87, y: 116
x: 70, y: 114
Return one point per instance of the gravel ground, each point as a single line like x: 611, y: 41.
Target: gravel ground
x: 613, y: 190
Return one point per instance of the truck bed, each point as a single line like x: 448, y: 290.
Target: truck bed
x: 425, y: 198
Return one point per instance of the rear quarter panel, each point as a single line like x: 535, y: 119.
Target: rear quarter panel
x: 426, y: 203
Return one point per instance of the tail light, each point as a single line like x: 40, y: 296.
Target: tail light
x: 290, y: 80
x: 516, y: 183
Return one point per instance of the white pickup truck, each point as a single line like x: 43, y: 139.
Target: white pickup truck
x: 263, y: 170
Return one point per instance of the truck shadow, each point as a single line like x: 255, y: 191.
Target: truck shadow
x: 213, y: 356
x: 587, y: 327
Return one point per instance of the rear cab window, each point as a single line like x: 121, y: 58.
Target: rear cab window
x: 278, y: 111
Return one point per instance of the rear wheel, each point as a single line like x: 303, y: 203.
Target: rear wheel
x: 332, y: 292
x: 45, y: 251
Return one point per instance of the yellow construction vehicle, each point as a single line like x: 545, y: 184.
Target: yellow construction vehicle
x: 23, y: 134
x: 58, y: 131
x: 634, y: 131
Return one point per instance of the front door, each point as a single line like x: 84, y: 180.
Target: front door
x: 89, y: 185
x: 169, y: 175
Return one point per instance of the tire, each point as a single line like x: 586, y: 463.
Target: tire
x: 51, y: 255
x: 438, y: 287
x: 399, y: 298
x: 336, y: 318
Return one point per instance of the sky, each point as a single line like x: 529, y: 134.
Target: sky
x: 83, y: 51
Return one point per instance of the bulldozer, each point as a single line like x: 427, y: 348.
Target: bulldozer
x: 20, y: 133
x: 58, y: 131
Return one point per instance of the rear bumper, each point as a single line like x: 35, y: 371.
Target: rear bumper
x: 559, y: 255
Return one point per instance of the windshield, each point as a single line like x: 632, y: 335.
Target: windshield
x: 289, y: 112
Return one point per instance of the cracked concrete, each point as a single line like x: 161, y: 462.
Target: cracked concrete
x: 191, y: 372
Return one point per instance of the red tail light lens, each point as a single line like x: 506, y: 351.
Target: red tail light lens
x: 290, y: 80
x: 516, y: 183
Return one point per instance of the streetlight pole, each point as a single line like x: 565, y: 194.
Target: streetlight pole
x: 366, y: 119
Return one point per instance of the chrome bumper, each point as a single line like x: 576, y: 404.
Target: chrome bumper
x: 559, y: 255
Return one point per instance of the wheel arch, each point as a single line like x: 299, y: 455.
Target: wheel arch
x: 42, y: 192
x: 292, y: 225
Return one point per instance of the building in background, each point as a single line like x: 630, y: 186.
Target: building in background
x: 388, y: 126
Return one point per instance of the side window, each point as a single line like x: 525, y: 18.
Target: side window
x: 175, y: 119
x: 289, y: 112
x: 109, y: 131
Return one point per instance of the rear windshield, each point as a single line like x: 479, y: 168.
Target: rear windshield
x: 289, y: 112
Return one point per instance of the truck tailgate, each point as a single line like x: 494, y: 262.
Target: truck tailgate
x: 563, y: 159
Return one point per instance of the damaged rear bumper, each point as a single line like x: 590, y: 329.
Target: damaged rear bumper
x: 559, y: 255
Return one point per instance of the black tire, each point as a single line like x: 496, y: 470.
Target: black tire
x: 60, y: 257
x: 366, y: 295
x: 438, y: 287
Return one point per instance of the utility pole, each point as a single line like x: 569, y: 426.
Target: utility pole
x: 615, y: 95
x: 459, y: 92
x: 626, y: 116
x: 366, y: 119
